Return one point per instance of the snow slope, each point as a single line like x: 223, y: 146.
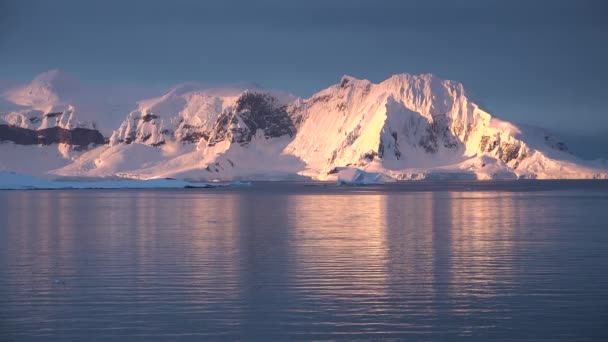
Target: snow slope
x: 406, y: 127
x: 34, y: 160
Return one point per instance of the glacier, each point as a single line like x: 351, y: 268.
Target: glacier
x: 407, y: 127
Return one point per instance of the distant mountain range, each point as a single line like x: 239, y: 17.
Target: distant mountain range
x: 406, y: 127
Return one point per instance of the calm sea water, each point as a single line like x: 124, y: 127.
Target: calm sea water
x: 423, y: 261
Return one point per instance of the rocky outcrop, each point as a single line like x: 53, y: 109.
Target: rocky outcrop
x: 253, y: 111
x: 237, y: 123
x: 78, y: 137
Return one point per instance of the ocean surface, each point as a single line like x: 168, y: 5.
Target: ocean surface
x: 428, y: 261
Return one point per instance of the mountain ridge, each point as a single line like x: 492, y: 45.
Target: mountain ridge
x: 405, y: 127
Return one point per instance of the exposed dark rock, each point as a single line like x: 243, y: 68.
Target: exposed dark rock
x: 298, y: 119
x: 492, y: 146
x: 130, y: 137
x: 187, y: 133
x: 221, y: 129
x: 253, y: 111
x: 369, y: 156
x: 333, y: 157
x: 438, y: 130
x: 367, y: 89
x: 80, y: 137
x: 194, y: 137
x: 429, y: 141
x: 451, y: 144
x: 458, y: 128
x: 396, y: 143
x: 320, y: 98
x: 149, y: 117
x: 261, y: 111
x: 522, y: 155
x: 483, y: 143
x: 345, y: 82
x: 352, y: 136
x: 53, y: 115
x: 509, y: 151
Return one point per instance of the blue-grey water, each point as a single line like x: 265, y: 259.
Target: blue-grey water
x: 504, y: 261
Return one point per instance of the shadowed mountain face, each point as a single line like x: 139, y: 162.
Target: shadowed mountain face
x: 79, y: 138
x: 253, y: 112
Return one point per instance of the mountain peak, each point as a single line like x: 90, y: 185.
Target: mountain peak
x: 347, y: 80
x: 56, y: 80
x: 215, y: 90
x: 414, y: 78
x: 45, y: 91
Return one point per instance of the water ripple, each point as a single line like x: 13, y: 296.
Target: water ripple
x: 298, y: 264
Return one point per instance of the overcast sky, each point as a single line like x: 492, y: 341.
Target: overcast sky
x: 538, y: 62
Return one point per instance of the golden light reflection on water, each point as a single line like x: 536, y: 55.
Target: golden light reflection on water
x: 411, y: 247
x: 359, y: 244
x: 482, y: 241
x: 426, y: 246
x: 339, y: 244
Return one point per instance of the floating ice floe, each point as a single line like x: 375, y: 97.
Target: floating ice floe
x: 353, y: 176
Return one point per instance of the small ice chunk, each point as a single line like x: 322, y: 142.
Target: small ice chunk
x: 353, y: 176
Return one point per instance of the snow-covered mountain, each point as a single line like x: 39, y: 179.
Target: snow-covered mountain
x: 54, y: 99
x: 406, y: 127
x: 44, y: 103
